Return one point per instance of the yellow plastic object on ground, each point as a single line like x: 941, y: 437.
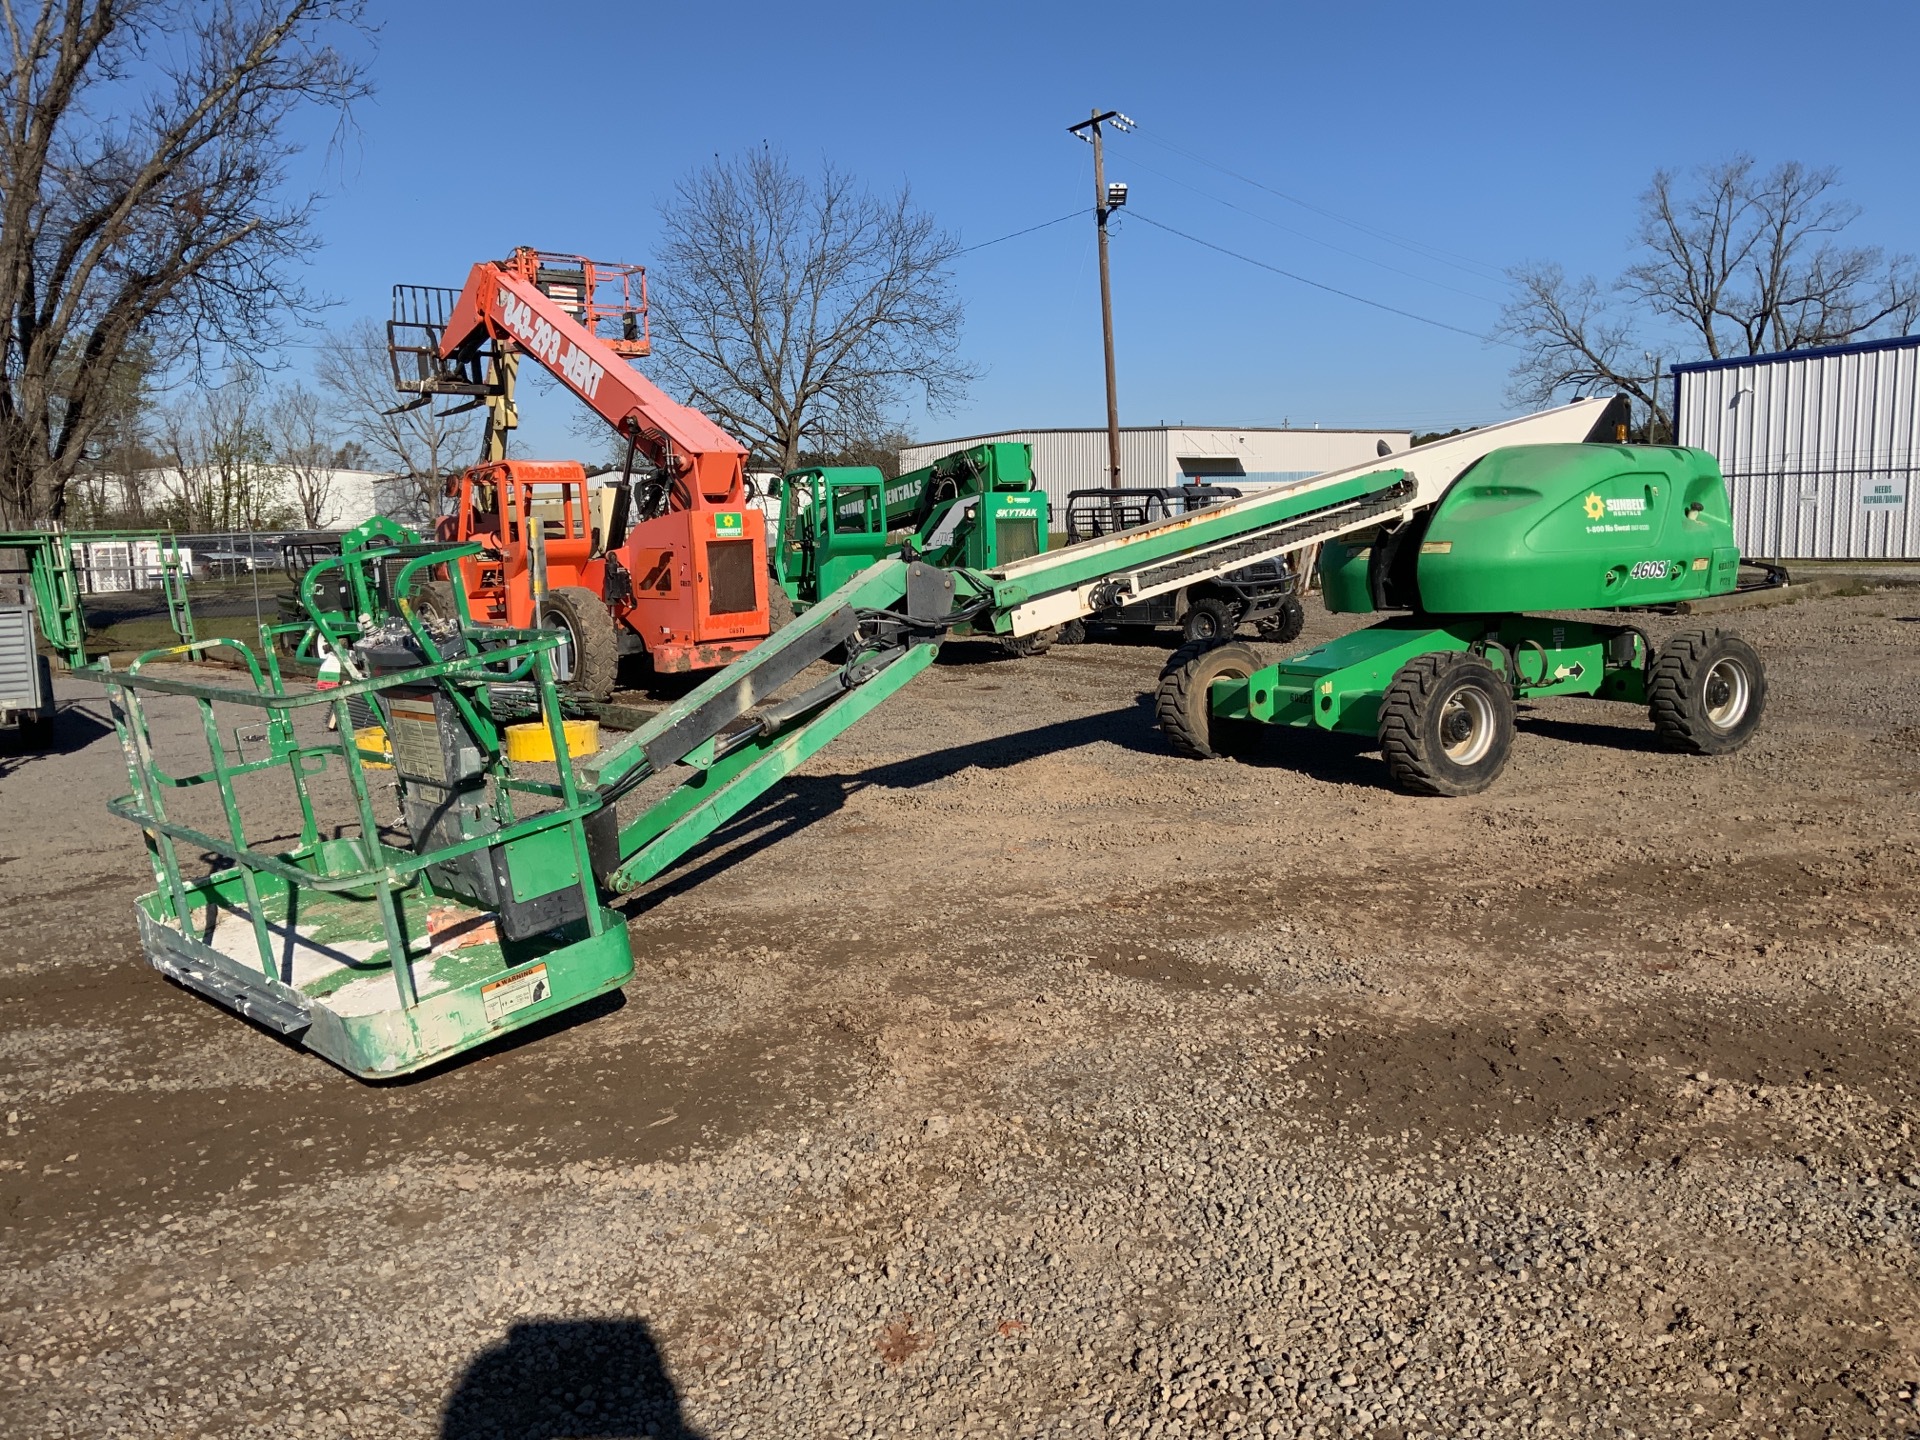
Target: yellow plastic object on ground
x: 373, y: 737
x: 531, y: 740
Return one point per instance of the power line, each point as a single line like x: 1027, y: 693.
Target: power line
x: 1058, y: 220
x: 1419, y: 247
x: 1330, y: 289
x: 1313, y: 239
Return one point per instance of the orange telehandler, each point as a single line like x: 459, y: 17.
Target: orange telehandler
x: 672, y: 562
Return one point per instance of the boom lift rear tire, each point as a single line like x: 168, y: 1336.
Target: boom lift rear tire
x: 1184, y: 703
x: 1446, y: 724
x: 1705, y: 692
x: 1210, y: 620
x: 593, y: 639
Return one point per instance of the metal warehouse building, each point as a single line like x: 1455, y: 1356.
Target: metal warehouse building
x: 1067, y: 460
x: 1819, y: 447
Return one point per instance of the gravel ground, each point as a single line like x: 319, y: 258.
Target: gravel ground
x: 1038, y: 1082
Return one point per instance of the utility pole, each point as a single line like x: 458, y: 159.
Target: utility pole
x: 1106, y: 199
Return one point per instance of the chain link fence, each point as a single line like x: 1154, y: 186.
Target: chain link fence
x: 236, y: 581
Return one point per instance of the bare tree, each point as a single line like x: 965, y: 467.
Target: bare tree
x: 224, y: 473
x: 799, y: 312
x: 881, y: 451
x: 419, y: 446
x: 144, y: 153
x: 303, y: 451
x: 106, y: 489
x: 1740, y: 263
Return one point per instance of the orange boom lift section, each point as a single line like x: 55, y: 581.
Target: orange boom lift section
x: 672, y: 561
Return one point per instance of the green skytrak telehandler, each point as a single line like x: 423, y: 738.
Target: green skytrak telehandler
x: 485, y: 908
x: 976, y: 509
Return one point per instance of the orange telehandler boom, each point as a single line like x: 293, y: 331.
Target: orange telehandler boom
x: 676, y: 564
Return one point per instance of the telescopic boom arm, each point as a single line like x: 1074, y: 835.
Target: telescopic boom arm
x: 512, y: 302
x: 891, y: 618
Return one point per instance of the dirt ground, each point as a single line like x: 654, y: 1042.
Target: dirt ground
x: 1004, y: 1074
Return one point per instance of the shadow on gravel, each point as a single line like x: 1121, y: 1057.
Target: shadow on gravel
x: 74, y: 728
x: 552, y: 1378
x: 1631, y: 738
x: 1330, y: 756
x: 804, y: 800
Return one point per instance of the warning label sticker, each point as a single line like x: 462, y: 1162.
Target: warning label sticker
x: 514, y: 992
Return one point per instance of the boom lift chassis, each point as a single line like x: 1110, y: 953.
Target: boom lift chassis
x: 351, y: 944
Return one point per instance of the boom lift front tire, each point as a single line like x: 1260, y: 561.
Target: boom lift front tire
x: 1446, y: 724
x: 1209, y: 620
x: 1705, y: 692
x: 1184, y: 704
x: 592, y: 639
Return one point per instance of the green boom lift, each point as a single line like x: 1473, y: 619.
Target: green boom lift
x: 52, y: 573
x: 388, y: 954
x: 976, y: 508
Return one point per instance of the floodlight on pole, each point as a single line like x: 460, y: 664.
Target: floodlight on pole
x: 1106, y: 199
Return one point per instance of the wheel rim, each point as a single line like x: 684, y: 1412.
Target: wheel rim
x: 1467, y: 725
x: 1728, y: 693
x: 564, y: 653
x: 1204, y: 626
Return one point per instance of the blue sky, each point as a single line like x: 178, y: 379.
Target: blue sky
x: 1473, y: 135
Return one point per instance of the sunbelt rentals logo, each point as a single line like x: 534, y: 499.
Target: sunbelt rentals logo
x: 729, y: 523
x: 1614, y: 507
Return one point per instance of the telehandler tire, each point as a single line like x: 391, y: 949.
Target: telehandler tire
x: 1183, y: 704
x: 1209, y: 620
x: 779, y: 607
x: 1706, y: 692
x: 591, y: 661
x: 1074, y: 632
x: 1446, y: 724
x: 434, y: 601
x: 1283, y: 627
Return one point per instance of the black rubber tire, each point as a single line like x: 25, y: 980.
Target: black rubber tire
x: 1022, y: 646
x: 1074, y: 632
x: 1181, y: 706
x: 596, y: 641
x: 1706, y: 692
x: 1284, y: 625
x: 780, y: 613
x: 434, y: 601
x: 1210, y: 620
x: 1416, y: 720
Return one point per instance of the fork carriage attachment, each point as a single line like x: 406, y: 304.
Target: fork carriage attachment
x: 381, y: 956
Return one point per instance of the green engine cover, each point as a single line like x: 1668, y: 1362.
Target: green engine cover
x: 1561, y: 527
x: 1578, y: 527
